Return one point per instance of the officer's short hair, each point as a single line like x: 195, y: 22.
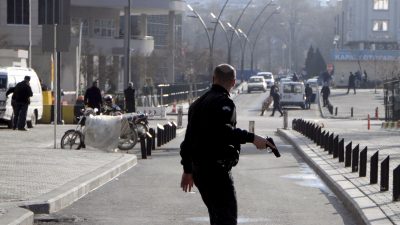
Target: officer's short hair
x: 27, y: 78
x: 225, y: 72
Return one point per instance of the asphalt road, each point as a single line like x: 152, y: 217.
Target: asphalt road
x: 269, y: 190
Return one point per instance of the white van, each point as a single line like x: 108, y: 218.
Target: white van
x: 9, y: 77
x: 293, y: 94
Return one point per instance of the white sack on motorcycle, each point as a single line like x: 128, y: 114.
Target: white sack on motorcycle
x: 103, y: 132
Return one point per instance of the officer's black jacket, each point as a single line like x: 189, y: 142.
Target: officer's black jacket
x: 211, y: 129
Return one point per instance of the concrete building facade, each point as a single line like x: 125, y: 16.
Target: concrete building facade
x: 103, y: 45
x: 367, y: 38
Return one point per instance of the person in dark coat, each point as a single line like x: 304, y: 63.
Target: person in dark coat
x: 22, y: 94
x: 208, y: 164
x: 352, y: 83
x: 295, y: 78
x: 129, y: 93
x: 326, y: 91
x: 277, y: 102
x: 93, y: 97
x: 308, y: 96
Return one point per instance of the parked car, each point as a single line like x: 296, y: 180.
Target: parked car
x: 268, y: 76
x: 293, y: 94
x: 256, y: 83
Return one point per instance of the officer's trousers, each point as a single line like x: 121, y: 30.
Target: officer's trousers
x: 218, y: 193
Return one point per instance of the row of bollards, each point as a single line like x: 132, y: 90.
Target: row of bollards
x: 165, y: 133
x: 352, y: 157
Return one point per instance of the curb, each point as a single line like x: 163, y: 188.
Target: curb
x: 16, y: 216
x: 65, y: 195
x: 362, y: 207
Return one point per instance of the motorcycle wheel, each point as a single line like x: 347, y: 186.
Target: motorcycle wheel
x: 72, y: 139
x: 127, y: 142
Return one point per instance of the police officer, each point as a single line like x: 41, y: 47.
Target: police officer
x: 212, y: 145
x: 93, y: 97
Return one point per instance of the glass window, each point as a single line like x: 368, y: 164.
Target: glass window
x: 292, y: 88
x: 104, y: 28
x: 380, y: 25
x: 3, y: 81
x: 18, y: 11
x: 381, y: 4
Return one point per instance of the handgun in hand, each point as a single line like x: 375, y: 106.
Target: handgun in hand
x: 271, y: 144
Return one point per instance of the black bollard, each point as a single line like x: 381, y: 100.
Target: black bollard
x: 153, y: 134
x: 363, y: 163
x: 385, y: 174
x: 336, y: 111
x: 335, y: 146
x: 143, y: 147
x: 327, y: 141
x: 166, y: 133
x: 331, y: 139
x: 160, y: 135
x: 341, y: 150
x: 396, y: 184
x: 322, y: 139
x: 354, y: 164
x: 352, y: 111
x: 319, y: 132
x: 174, y: 127
x: 347, y: 162
x: 374, y: 168
x: 149, y: 143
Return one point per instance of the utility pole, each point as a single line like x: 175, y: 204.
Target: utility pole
x: 128, y: 43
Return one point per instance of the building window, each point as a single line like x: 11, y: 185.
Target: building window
x: 380, y: 25
x: 18, y: 11
x: 104, y: 28
x: 381, y: 4
x: 75, y: 26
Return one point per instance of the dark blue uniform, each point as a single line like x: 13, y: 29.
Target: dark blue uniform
x: 210, y: 149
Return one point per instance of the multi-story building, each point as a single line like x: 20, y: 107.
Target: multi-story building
x: 367, y: 38
x: 103, y: 47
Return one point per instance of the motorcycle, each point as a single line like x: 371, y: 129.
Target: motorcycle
x: 138, y: 128
x: 74, y: 139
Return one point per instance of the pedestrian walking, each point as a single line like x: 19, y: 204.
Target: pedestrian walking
x: 22, y: 94
x: 208, y: 164
x: 352, y: 83
x: 268, y: 101
x: 277, y: 102
x: 365, y: 77
x: 325, y: 91
x: 130, y: 102
x: 93, y: 97
x: 309, y: 94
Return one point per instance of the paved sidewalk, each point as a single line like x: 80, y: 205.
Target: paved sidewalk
x: 363, y: 103
x: 373, y: 206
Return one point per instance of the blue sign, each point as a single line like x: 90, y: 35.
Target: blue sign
x: 366, y: 55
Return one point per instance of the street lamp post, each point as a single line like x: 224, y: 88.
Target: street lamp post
x: 235, y: 27
x: 213, y: 36
x: 222, y: 26
x: 249, y: 32
x: 276, y: 11
x: 197, y: 15
x: 246, y: 38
